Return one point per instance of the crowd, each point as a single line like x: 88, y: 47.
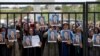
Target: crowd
x: 58, y: 48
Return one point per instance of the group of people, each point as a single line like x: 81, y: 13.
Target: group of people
x: 54, y: 40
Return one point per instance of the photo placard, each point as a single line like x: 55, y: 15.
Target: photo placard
x: 27, y: 41
x: 77, y: 39
x: 65, y: 35
x: 2, y: 38
x: 41, y: 21
x: 12, y: 35
x: 52, y: 36
x: 35, y: 41
x: 54, y: 20
x: 96, y: 40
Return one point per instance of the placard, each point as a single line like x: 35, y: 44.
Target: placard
x: 77, y: 39
x: 52, y: 36
x: 2, y: 38
x: 65, y: 35
x: 12, y: 35
x: 54, y: 20
x: 35, y: 41
x: 42, y: 21
x: 96, y: 40
x: 27, y: 41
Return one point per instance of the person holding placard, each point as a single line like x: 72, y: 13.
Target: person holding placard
x: 11, y: 41
x: 66, y: 44
x: 38, y: 32
x: 77, y: 42
x: 27, y: 44
x: 18, y: 44
x: 59, y: 48
x: 44, y: 38
x: 67, y: 47
x: 90, y: 42
x: 96, y: 44
x: 2, y: 45
x: 52, y: 44
x: 93, y: 47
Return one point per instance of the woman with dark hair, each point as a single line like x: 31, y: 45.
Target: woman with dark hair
x: 18, y: 44
x: 26, y: 51
x: 59, y: 41
x: 31, y: 50
x: 44, y: 38
x: 67, y: 46
x: 3, y: 40
x: 96, y: 49
x: 51, y: 46
x: 78, y: 49
x: 90, y: 43
x: 97, y: 30
x: 37, y: 50
x: 10, y: 42
x: 26, y: 28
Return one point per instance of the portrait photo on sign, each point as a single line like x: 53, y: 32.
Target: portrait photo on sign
x: 65, y: 35
x: 41, y: 21
x: 54, y: 20
x: 96, y: 40
x: 52, y: 36
x: 2, y: 38
x: 76, y: 39
x: 12, y: 35
x: 27, y: 42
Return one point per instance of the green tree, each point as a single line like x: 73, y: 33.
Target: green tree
x: 65, y: 8
x: 98, y: 10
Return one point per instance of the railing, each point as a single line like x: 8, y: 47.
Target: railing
x: 84, y: 14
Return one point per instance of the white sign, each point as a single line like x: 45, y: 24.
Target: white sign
x: 35, y: 41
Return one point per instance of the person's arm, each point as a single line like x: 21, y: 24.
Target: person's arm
x: 46, y: 33
x: 71, y: 36
x: 81, y: 43
x: 59, y: 37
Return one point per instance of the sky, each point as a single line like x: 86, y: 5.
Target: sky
x: 55, y: 0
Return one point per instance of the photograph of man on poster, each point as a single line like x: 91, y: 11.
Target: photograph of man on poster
x: 96, y: 40
x: 2, y: 38
x: 27, y: 42
x: 12, y: 35
x: 52, y: 36
x: 76, y: 39
x: 41, y: 20
x: 54, y: 20
x: 65, y: 36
